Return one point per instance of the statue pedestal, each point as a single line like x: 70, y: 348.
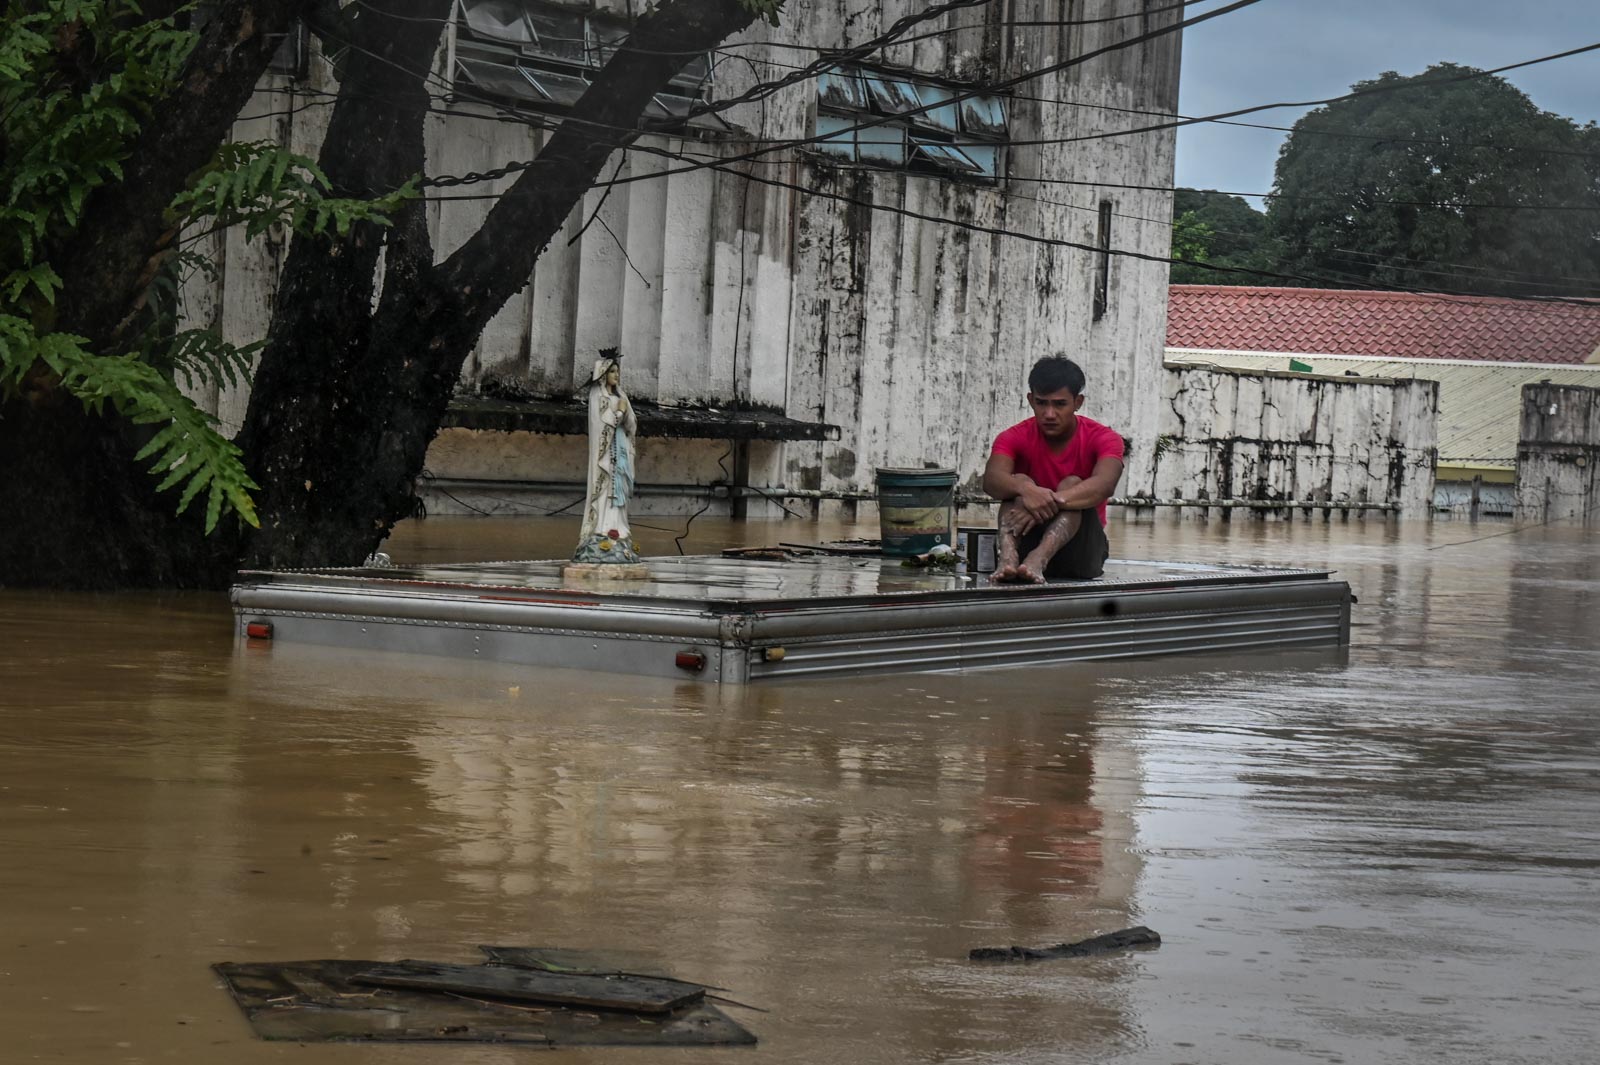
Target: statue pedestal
x: 607, y: 571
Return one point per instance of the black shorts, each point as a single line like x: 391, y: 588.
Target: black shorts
x: 1081, y: 558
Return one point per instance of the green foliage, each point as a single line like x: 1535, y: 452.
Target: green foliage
x: 1452, y: 142
x: 766, y: 10
x: 258, y: 184
x: 186, y: 450
x: 1191, y: 238
x: 77, y: 77
x: 78, y: 80
x: 1220, y: 230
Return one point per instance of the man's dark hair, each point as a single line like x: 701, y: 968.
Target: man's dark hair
x: 1053, y: 373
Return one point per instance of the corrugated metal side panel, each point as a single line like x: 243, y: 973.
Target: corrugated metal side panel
x: 519, y: 613
x: 596, y: 652
x: 1163, y: 624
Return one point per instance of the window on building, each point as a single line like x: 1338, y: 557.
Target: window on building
x: 293, y: 56
x: 931, y: 130
x: 1102, y: 262
x: 543, y: 56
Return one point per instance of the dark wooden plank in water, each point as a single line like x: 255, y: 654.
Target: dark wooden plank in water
x: 1139, y: 936
x: 315, y: 1001
x: 634, y: 994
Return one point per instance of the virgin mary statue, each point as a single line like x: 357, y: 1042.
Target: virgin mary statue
x: 605, y: 537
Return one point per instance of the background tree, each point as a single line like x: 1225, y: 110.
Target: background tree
x: 113, y: 124
x: 1222, y: 230
x: 1372, y: 191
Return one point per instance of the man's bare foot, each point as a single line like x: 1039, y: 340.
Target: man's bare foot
x: 1029, y: 574
x: 1015, y: 574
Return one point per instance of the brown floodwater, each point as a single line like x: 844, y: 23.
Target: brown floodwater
x: 1390, y: 857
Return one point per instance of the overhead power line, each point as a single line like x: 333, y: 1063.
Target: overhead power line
x: 791, y: 143
x: 509, y: 114
x: 1128, y: 253
x: 1355, y: 94
x: 729, y: 46
x: 723, y: 164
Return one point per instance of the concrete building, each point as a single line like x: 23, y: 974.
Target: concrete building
x: 1482, y: 352
x: 874, y: 298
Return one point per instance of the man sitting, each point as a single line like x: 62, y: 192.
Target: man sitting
x: 1053, y: 474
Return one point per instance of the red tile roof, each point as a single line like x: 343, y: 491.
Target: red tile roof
x: 1319, y: 321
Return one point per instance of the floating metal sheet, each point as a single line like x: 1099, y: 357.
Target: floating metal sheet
x: 318, y: 1001
x: 744, y: 620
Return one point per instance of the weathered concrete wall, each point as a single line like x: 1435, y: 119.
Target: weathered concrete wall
x: 1558, y: 454
x: 913, y: 336
x: 1340, y: 442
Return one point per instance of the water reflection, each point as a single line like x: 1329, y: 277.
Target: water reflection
x: 1391, y: 857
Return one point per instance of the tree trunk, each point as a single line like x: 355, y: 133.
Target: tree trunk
x: 75, y: 510
x: 345, y: 402
x: 78, y: 512
x: 315, y: 416
x: 124, y: 233
x: 342, y: 414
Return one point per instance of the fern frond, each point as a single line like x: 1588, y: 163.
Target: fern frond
x: 186, y: 448
x: 259, y: 184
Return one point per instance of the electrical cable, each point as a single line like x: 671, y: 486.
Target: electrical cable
x: 721, y: 164
x: 1517, y: 529
x: 1124, y: 252
x: 871, y: 123
x: 511, y: 115
x: 823, y: 49
x: 727, y: 477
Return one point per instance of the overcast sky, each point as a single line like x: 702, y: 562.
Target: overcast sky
x: 1312, y: 49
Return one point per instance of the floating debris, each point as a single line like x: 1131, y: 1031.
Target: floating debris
x: 637, y: 994
x: 1125, y: 939
x: 522, y: 995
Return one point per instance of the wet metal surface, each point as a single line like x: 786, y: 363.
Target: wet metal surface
x: 740, y: 620
x: 727, y: 582
x: 1389, y: 859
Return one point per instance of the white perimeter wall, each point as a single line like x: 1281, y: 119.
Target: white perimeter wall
x: 1232, y: 434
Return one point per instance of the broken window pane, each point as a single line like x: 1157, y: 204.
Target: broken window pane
x: 475, y: 77
x: 893, y: 96
x: 499, y: 20
x: 558, y: 35
x: 830, y: 141
x: 842, y: 89
x: 985, y: 115
x: 947, y: 156
x: 939, y: 118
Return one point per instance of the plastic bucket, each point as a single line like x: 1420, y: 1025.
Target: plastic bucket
x: 916, y: 509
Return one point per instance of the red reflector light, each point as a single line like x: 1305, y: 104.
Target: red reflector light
x: 693, y: 661
x: 259, y: 630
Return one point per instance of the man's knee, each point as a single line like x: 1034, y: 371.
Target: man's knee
x: 1068, y: 482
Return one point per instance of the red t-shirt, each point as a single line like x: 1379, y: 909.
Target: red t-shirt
x: 1032, y: 455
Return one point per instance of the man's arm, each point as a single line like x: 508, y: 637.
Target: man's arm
x: 1002, y: 481
x: 1093, y: 490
